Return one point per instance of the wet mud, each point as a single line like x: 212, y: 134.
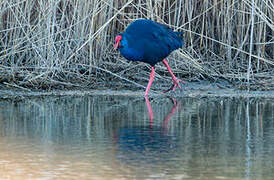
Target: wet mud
x: 190, y: 89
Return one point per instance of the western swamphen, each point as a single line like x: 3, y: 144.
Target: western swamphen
x: 150, y: 42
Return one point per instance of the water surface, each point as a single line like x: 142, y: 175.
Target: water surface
x: 122, y: 137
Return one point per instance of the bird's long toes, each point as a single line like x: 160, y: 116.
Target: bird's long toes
x: 170, y: 89
x: 178, y: 83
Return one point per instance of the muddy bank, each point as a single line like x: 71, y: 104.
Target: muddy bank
x: 192, y: 89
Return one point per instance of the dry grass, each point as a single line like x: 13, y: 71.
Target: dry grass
x: 62, y: 44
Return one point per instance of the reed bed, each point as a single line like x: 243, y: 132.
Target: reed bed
x: 69, y: 43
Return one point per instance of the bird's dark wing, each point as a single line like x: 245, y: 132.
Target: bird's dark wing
x: 145, y: 27
x: 155, y: 32
x: 173, y: 40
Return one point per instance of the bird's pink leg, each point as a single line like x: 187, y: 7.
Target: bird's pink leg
x: 151, y: 79
x: 175, y: 80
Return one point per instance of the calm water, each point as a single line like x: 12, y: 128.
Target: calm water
x: 115, y: 137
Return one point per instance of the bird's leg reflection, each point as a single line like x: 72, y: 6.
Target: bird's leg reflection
x: 167, y: 117
x: 150, y: 112
x: 171, y: 113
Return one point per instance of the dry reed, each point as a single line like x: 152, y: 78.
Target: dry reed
x: 63, y: 44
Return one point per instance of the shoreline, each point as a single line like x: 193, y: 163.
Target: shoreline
x: 181, y: 93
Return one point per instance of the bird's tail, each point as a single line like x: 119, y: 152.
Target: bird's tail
x: 180, y: 34
x: 180, y: 38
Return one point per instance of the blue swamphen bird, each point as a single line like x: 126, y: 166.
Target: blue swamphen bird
x: 150, y: 42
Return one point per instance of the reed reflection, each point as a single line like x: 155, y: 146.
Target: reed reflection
x: 189, y: 136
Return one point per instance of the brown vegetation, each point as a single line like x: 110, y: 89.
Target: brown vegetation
x: 63, y: 43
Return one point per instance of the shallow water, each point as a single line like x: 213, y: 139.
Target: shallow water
x: 121, y: 137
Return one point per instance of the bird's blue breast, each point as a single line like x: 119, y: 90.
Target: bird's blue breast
x: 130, y: 50
x: 131, y: 54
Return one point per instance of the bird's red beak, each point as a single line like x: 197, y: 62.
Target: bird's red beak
x: 118, y: 38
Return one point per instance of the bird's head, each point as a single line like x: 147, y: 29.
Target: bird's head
x: 118, y: 38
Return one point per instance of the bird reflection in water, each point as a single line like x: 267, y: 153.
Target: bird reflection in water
x: 167, y: 117
x: 145, y: 144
